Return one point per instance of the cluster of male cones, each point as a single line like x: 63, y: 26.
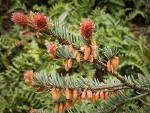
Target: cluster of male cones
x: 86, y: 53
x: 73, y: 95
x: 70, y: 95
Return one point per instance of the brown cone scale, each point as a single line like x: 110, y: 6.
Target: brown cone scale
x: 84, y: 95
x: 101, y: 95
x: 75, y: 94
x: 97, y: 95
x: 106, y: 94
x: 89, y: 94
x: 68, y: 93
x: 56, y: 107
x: 61, y: 107
x: 56, y: 93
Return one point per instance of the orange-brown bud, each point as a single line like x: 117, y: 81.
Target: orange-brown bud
x: 56, y: 107
x: 28, y: 81
x: 106, y: 94
x: 75, y: 94
x: 87, y: 51
x: 61, y: 107
x: 84, y: 95
x: 97, y: 95
x: 93, y: 98
x: 93, y: 44
x: 70, y: 48
x: 101, y: 95
x: 28, y: 76
x: 90, y: 59
x: 68, y: 93
x: 70, y: 63
x: 51, y: 48
x: 67, y: 105
x: 67, y: 64
x: 56, y: 93
x: 77, y: 56
x: 89, y: 94
x: 109, y: 66
x: 93, y: 52
x: 112, y: 64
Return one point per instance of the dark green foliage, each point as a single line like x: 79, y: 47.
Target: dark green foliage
x: 18, y: 54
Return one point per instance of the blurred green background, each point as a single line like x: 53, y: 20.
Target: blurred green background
x: 120, y: 23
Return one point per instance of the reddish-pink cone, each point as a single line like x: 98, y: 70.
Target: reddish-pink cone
x: 40, y: 21
x: 28, y: 76
x: 86, y: 28
x: 51, y: 48
x: 19, y: 18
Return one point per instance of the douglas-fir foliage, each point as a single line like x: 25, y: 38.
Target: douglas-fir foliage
x: 65, y: 91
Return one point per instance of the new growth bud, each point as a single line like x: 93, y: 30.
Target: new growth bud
x: 86, y: 28
x: 19, y: 18
x: 40, y: 21
x: 68, y: 64
x: 112, y: 64
x: 56, y: 93
x: 51, y: 48
x: 28, y: 76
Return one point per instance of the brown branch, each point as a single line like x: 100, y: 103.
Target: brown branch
x: 118, y: 88
x: 60, y: 39
x: 140, y: 96
x: 100, y: 63
x: 124, y: 81
x: 132, y: 85
x: 132, y: 98
x: 108, y: 86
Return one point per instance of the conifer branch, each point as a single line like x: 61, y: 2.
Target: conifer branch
x: 100, y: 63
x: 118, y: 88
x: 132, y: 85
x: 61, y: 40
x: 109, y: 86
x: 42, y: 80
x: 124, y: 81
x: 127, y: 100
